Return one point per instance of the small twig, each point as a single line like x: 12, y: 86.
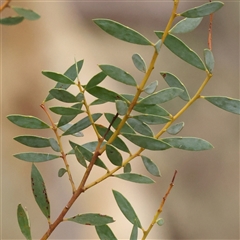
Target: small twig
x: 210, y: 31
x: 160, y: 207
x: 61, y: 148
x: 5, y: 5
x: 111, y: 123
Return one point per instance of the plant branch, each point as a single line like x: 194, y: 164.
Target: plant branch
x: 54, y: 128
x: 160, y: 208
x: 5, y: 5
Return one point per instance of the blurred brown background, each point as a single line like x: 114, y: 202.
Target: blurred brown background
x: 204, y: 203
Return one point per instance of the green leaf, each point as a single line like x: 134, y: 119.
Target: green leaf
x: 94, y: 219
x: 126, y: 208
x: 61, y: 172
x: 35, y: 157
x: 188, y: 143
x: 127, y: 168
x: 226, y: 103
x: 151, y: 166
x: 151, y: 87
x: 97, y: 102
x: 104, y: 94
x: 139, y: 62
x: 40, y: 192
x: 54, y: 145
x: 176, y: 128
x: 58, y: 77
x: 24, y: 222
x: 65, y: 127
x: 158, y: 45
x: 82, y: 124
x: 134, y: 233
x: 26, y: 13
x: 121, y: 107
x: 151, y: 119
x: 126, y: 128
x: 147, y: 142
x: 33, y: 141
x: 151, y: 109
x: 65, y: 119
x: 11, y: 20
x: 173, y: 81
x: 88, y: 155
x: 180, y: 49
x: 105, y: 233
x: 80, y: 156
x: 140, y: 127
x: 118, y: 142
x: 66, y: 110
x: 209, y: 59
x: 27, y: 121
x: 121, y: 32
x: 91, y: 146
x: 161, y: 96
x: 186, y: 25
x: 113, y: 155
x: 203, y: 10
x: 94, y: 81
x: 160, y: 221
x: 71, y: 73
x: 63, y: 95
x: 118, y: 74
x: 133, y: 177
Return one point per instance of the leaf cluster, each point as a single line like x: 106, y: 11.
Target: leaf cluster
x: 132, y: 120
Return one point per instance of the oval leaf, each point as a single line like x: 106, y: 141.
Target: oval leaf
x: 203, y: 10
x: 40, y: 192
x: 71, y: 73
x: 58, y: 77
x: 27, y: 121
x: 105, y: 233
x: 176, y: 128
x: 151, y: 87
x: 151, y: 119
x: 140, y: 127
x: 82, y: 124
x: 146, y: 142
x: 188, y: 143
x: 126, y: 208
x: 180, y: 49
x: 11, y: 20
x: 66, y: 110
x: 173, y: 81
x: 35, y: 157
x: 113, y: 155
x: 209, y: 59
x: 139, y: 62
x: 94, y: 219
x: 133, y: 177
x: 88, y: 155
x: 134, y: 233
x: 122, y: 32
x: 94, y: 81
x: 26, y: 13
x: 63, y: 95
x: 160, y: 221
x: 150, y: 166
x: 54, y: 145
x: 121, y: 107
x: 161, y: 96
x: 104, y: 94
x: 61, y: 172
x: 33, y: 141
x: 65, y: 127
x: 80, y: 157
x: 118, y: 74
x: 127, y: 168
x: 23, y: 222
x: 228, y: 104
x: 186, y: 25
x: 151, y: 109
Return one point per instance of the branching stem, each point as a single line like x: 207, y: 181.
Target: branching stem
x: 5, y: 5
